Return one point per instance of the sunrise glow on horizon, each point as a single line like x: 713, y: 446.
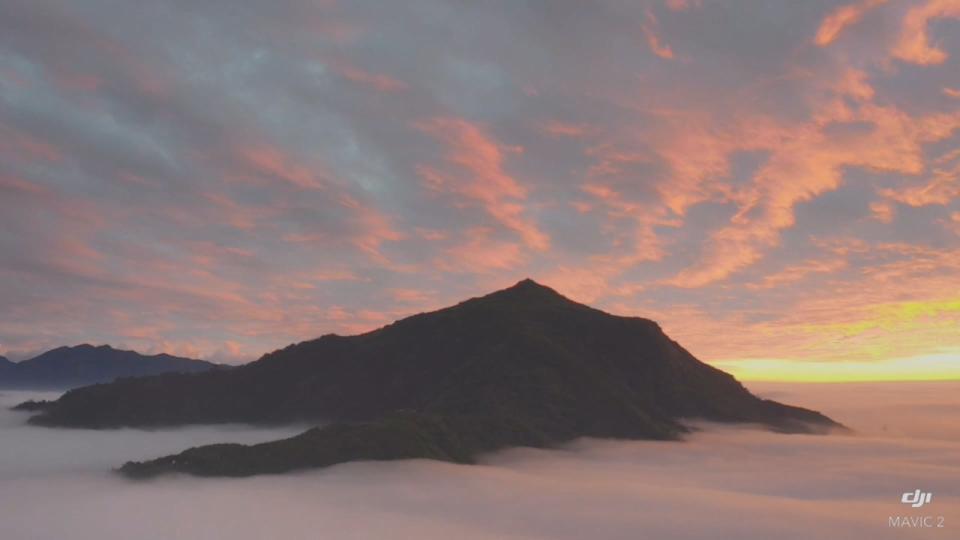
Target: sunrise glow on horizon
x: 938, y: 367
x: 777, y: 184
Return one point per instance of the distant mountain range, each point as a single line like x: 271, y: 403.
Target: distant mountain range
x: 71, y: 367
x: 523, y: 366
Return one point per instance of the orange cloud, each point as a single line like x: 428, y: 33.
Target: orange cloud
x: 432, y: 235
x: 841, y: 18
x: 900, y: 302
x: 368, y: 230
x: 854, y: 83
x: 331, y: 275
x: 683, y: 5
x: 592, y: 281
x: 410, y: 296
x: 651, y: 29
x: 942, y: 188
x: 474, y: 168
x: 800, y: 272
x: 229, y: 211
x: 646, y: 245
x: 882, y: 211
x: 377, y: 81
x: 14, y: 184
x: 373, y: 228
x: 806, y: 165
x: 913, y: 44
x: 17, y: 146
x: 271, y: 162
x: 561, y: 129
x: 481, y: 254
x: 955, y: 222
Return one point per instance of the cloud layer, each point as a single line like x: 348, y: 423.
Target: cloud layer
x: 723, y: 483
x: 222, y: 179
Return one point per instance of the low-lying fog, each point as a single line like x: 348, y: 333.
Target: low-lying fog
x: 722, y: 483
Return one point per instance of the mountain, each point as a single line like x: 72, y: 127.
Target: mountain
x: 71, y: 367
x: 521, y: 366
x: 5, y: 366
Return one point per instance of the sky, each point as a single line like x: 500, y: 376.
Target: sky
x: 777, y: 183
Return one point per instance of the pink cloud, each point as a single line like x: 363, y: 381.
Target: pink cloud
x: 410, y: 296
x: 373, y: 228
x: 474, y: 168
x: 16, y: 145
x: 942, y: 187
x: 432, y: 235
x: 651, y: 32
x: 271, y: 162
x: 801, y: 271
x: 683, y: 5
x: 807, y: 163
x: 562, y: 129
x: 377, y: 81
x: 481, y: 253
x: 12, y: 183
x: 914, y: 44
x: 841, y: 18
x: 954, y: 223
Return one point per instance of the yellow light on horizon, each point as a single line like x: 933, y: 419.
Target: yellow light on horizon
x: 937, y: 367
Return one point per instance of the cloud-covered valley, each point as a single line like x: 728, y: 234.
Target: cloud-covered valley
x: 724, y: 482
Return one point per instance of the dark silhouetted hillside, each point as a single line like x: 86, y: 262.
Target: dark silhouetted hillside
x: 522, y: 366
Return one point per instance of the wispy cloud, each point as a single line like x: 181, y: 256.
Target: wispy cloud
x: 914, y: 44
x: 842, y: 17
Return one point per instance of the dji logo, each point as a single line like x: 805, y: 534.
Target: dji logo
x: 917, y: 498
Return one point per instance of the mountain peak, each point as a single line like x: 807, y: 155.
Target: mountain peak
x: 528, y: 287
x: 82, y: 347
x: 530, y: 284
x: 90, y: 347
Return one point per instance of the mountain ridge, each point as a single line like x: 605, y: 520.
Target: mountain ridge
x: 85, y: 364
x: 520, y: 366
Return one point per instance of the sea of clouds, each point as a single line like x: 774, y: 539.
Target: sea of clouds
x: 723, y: 482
